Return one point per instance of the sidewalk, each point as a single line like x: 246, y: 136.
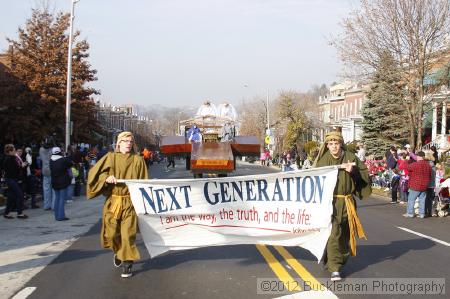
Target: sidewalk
x: 257, y: 162
x: 28, y: 245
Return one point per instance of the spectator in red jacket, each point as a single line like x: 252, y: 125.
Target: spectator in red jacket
x: 419, y: 178
x: 402, y: 164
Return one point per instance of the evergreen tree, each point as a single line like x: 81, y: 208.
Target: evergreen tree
x: 385, y: 120
x: 39, y: 60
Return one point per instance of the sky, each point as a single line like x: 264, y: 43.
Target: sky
x: 181, y: 52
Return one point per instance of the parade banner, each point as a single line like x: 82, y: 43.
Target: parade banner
x: 287, y: 209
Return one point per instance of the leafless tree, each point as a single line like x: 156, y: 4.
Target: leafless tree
x: 253, y: 118
x: 414, y: 32
x: 296, y: 113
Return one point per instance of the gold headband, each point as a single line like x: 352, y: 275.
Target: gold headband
x: 334, y: 136
x: 122, y: 137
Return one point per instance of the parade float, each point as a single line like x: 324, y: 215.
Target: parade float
x: 209, y: 141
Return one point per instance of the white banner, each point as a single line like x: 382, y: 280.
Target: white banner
x: 287, y: 209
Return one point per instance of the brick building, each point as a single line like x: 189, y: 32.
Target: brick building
x: 341, y: 108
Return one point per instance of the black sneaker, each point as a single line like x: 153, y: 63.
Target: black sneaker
x: 336, y: 276
x: 117, y: 263
x: 126, y: 273
x: 8, y: 216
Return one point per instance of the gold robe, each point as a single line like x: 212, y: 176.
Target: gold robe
x: 119, y: 225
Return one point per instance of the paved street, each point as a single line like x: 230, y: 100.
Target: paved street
x: 84, y: 269
x: 333, y: 84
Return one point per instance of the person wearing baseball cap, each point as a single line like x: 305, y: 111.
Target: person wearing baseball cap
x: 61, y: 180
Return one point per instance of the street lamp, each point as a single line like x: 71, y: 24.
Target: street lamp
x: 69, y: 77
x: 268, y: 122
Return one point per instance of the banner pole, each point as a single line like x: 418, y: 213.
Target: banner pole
x: 340, y: 166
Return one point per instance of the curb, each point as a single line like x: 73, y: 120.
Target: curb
x: 381, y: 193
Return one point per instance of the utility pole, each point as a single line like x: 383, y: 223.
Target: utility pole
x: 69, y: 79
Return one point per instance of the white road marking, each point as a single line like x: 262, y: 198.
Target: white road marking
x: 24, y: 293
x: 310, y: 294
x: 424, y: 236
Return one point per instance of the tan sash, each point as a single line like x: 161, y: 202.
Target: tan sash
x: 116, y: 204
x: 353, y: 222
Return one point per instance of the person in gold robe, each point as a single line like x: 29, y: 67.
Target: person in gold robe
x: 352, y: 181
x: 119, y: 224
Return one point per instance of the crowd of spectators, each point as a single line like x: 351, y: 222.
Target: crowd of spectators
x: 410, y: 178
x: 45, y: 171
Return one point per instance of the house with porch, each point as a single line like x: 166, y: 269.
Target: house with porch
x: 439, y: 78
x: 440, y: 131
